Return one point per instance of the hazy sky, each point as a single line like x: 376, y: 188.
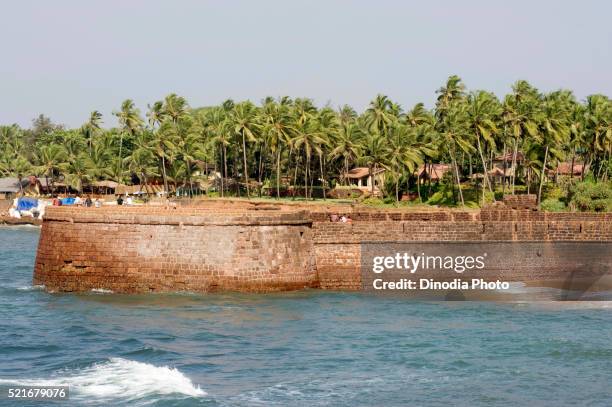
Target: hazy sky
x: 67, y: 58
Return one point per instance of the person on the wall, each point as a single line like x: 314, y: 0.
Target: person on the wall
x: 88, y: 202
x: 120, y: 200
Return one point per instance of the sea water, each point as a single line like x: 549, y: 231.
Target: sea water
x: 309, y: 348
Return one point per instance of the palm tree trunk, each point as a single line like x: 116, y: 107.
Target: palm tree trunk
x: 246, y: 176
x: 407, y: 175
x: 505, y: 168
x: 370, y: 170
x: 514, y: 164
x: 164, y: 174
x: 572, y: 169
x: 542, y: 174
x: 259, y: 165
x: 278, y: 157
x: 322, y: 175
x: 528, y: 180
x: 345, y: 176
x: 458, y: 180
x: 294, y: 180
x: 306, y: 176
x: 470, y: 160
x: 429, y: 179
x: 484, y: 166
x: 397, y: 188
x: 222, y: 175
x: 188, y: 164
x: 120, y: 149
x: 52, y: 182
x: 224, y: 169
x: 586, y: 166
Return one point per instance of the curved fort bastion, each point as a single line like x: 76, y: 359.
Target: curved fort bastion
x: 142, y: 249
x: 234, y: 246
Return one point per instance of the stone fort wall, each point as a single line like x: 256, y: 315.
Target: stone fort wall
x: 153, y: 249
x: 337, y: 246
x: 260, y: 248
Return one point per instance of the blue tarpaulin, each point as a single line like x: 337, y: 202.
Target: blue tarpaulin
x: 67, y: 201
x: 26, y: 204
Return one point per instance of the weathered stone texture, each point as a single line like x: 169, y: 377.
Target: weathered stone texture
x: 337, y: 245
x: 220, y: 247
x: 129, y: 251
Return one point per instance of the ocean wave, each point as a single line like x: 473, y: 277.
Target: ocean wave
x: 118, y: 378
x: 31, y: 288
x: 102, y: 291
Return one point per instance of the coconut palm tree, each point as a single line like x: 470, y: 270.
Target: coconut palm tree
x: 174, y: 108
x: 346, y: 143
x: 374, y: 154
x: 598, y: 129
x: 553, y: 127
x: 245, y: 124
x: 483, y: 110
x: 76, y: 171
x: 577, y: 134
x: 220, y: 132
x: 417, y: 115
x: 456, y: 137
x: 406, y: 152
x: 521, y: 109
x: 277, y: 127
x: 49, y: 159
x: 308, y: 139
x: 346, y: 115
x: 155, y: 116
x: 380, y: 115
x: 92, y: 127
x: 130, y: 122
x: 452, y: 91
x: 142, y: 163
x: 20, y: 167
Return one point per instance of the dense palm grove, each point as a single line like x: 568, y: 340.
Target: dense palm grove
x: 290, y: 142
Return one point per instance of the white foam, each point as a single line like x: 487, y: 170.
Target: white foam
x: 101, y: 291
x: 119, y: 379
x: 31, y: 288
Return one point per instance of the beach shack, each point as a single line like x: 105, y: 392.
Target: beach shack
x: 362, y: 179
x: 566, y: 169
x: 432, y: 172
x: 505, y: 166
x: 10, y: 187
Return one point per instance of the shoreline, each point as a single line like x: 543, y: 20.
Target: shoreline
x: 9, y: 221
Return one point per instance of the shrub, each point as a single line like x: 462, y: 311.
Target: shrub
x: 589, y: 196
x: 373, y: 201
x: 552, y: 205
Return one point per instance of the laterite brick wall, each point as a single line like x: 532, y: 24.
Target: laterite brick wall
x: 152, y: 249
x: 337, y: 245
x: 221, y: 246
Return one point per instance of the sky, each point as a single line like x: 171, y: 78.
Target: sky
x: 67, y: 58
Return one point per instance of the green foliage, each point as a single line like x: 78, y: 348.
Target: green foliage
x: 287, y: 143
x: 591, y: 197
x: 553, y: 205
